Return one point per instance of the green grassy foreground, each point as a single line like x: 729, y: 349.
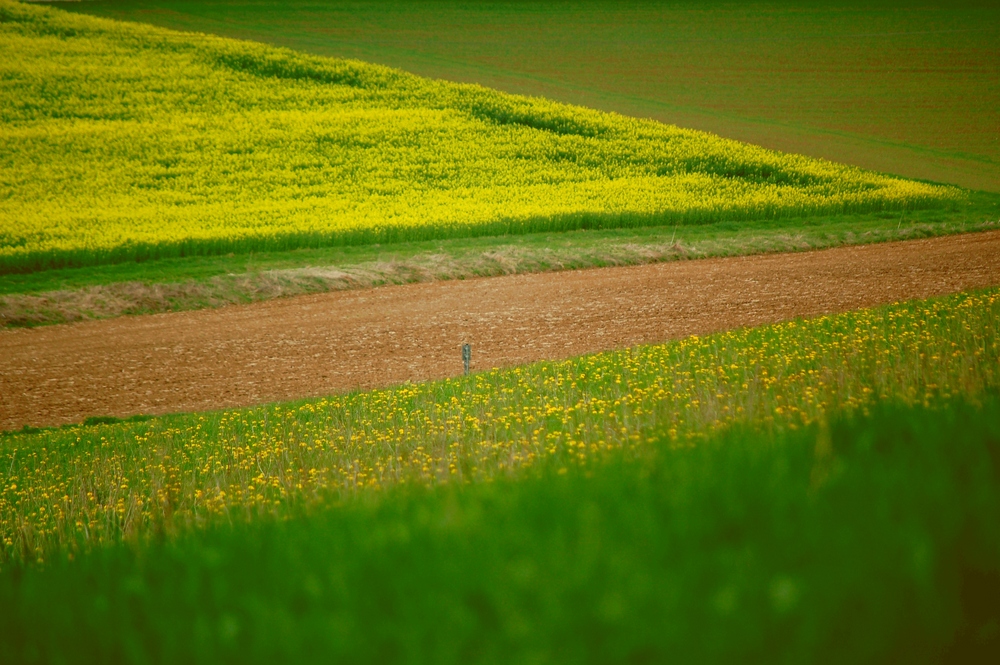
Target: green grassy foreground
x: 870, y: 539
x: 899, y: 87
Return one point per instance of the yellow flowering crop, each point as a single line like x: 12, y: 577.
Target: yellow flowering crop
x: 123, y: 142
x: 81, y: 486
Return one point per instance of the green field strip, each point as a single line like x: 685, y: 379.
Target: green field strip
x: 94, y: 292
x: 748, y: 547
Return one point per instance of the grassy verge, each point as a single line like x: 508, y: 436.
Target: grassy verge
x: 58, y: 296
x: 866, y: 540
x: 71, y: 489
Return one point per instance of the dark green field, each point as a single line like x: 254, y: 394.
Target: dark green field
x: 874, y: 539
x: 906, y: 88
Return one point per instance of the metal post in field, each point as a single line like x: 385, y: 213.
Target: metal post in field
x: 467, y: 356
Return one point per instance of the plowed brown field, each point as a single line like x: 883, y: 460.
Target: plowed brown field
x: 320, y: 344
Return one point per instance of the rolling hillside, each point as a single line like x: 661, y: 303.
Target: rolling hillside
x: 125, y: 142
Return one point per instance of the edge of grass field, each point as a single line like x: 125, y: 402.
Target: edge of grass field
x: 184, y: 284
x: 580, y: 221
x: 101, y: 420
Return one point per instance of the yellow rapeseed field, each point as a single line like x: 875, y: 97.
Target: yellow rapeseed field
x: 81, y: 486
x: 123, y: 142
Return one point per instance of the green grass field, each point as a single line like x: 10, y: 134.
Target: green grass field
x: 907, y: 88
x: 865, y: 540
x: 980, y: 212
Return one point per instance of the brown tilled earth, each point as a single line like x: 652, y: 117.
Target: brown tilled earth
x: 320, y: 344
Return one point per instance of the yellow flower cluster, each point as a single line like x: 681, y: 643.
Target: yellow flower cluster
x: 82, y: 486
x: 124, y: 142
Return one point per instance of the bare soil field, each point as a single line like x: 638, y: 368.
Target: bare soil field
x: 333, y: 342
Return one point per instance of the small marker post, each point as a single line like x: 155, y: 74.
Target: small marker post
x: 467, y: 356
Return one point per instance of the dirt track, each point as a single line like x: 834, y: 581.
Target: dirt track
x: 314, y: 345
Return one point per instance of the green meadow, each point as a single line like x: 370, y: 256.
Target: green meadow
x: 193, y: 282
x: 870, y: 538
